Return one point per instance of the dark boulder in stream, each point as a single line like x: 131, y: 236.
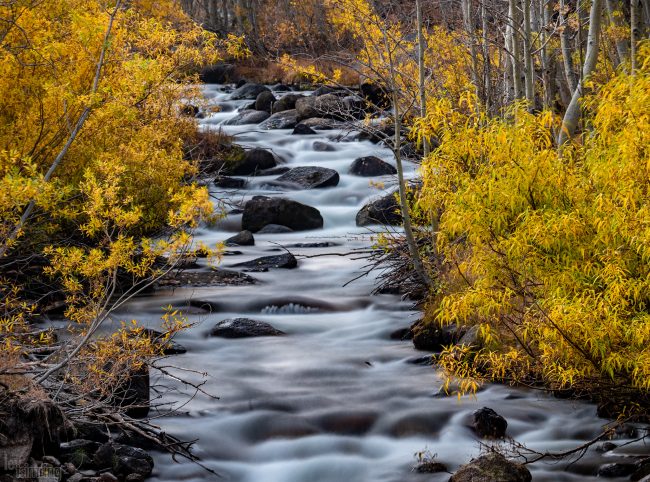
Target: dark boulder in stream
x: 244, y: 328
x: 263, y: 210
x: 492, y: 467
x: 248, y: 91
x: 286, y: 102
x: 123, y: 460
x: 248, y: 116
x: 303, y: 130
x: 264, y: 101
x: 226, y: 182
x: 489, y: 424
x: 284, y: 261
x: 243, y: 238
x: 371, y: 166
x: 252, y: 161
x: 282, y: 120
x: 384, y: 210
x: 310, y: 177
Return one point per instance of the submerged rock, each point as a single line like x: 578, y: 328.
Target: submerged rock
x: 433, y: 337
x: 246, y: 117
x: 244, y: 328
x: 371, y: 166
x: 275, y: 229
x: 229, y: 182
x: 303, y: 130
x: 263, y: 210
x: 489, y: 424
x: 285, y: 261
x: 243, y: 238
x: 492, y: 467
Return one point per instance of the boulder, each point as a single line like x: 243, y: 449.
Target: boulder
x: 433, y: 337
x: 274, y: 171
x: 320, y: 146
x: 79, y: 452
x: 325, y: 89
x: 220, y: 73
x: 252, y: 161
x: 243, y: 238
x: 264, y: 101
x: 280, y: 88
x: 248, y: 91
x: 375, y: 95
x: 492, y: 467
x: 310, y: 177
x: 329, y: 106
x: 123, y: 460
x: 355, y: 106
x: 246, y: 117
x: 384, y: 210
x: 321, y: 124
x: 275, y: 229
x: 229, y: 182
x: 489, y: 424
x: 263, y: 210
x: 369, y: 166
x: 284, y: 261
x: 303, y: 130
x: 243, y: 328
x: 616, y: 469
x: 282, y: 120
x: 286, y: 102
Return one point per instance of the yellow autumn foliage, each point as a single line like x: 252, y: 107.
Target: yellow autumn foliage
x: 122, y: 195
x: 548, y: 254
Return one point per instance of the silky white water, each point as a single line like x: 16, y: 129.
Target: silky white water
x: 335, y: 400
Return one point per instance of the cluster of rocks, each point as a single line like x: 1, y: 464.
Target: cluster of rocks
x: 38, y: 442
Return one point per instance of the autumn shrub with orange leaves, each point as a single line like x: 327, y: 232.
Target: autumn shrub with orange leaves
x: 95, y: 188
x: 546, y: 252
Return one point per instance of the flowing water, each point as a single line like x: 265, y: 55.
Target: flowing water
x: 336, y: 400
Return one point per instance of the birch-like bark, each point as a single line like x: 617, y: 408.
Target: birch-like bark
x: 616, y: 19
x: 565, y: 46
x: 421, y: 73
x: 529, y: 69
x: 487, y: 74
x: 634, y: 33
x: 515, y: 48
x: 572, y: 114
x: 471, y: 36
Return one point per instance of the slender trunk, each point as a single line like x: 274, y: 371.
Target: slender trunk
x: 487, y: 75
x: 421, y: 48
x: 549, y: 91
x: 471, y: 35
x: 418, y: 266
x: 572, y: 114
x: 513, y: 14
x: 529, y: 69
x: 567, y: 59
x: 615, y: 18
x: 634, y: 33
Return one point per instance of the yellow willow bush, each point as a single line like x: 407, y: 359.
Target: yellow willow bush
x: 549, y: 255
x: 124, y: 176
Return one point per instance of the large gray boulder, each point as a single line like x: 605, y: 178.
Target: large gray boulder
x: 263, y: 210
x: 330, y: 106
x: 384, y: 210
x: 248, y: 91
x: 264, y: 101
x: 246, y: 117
x: 492, y: 467
x: 286, y: 102
x: 265, y: 263
x: 282, y: 120
x: 310, y: 177
x: 252, y: 161
x: 489, y: 424
x: 369, y: 166
x: 243, y: 328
